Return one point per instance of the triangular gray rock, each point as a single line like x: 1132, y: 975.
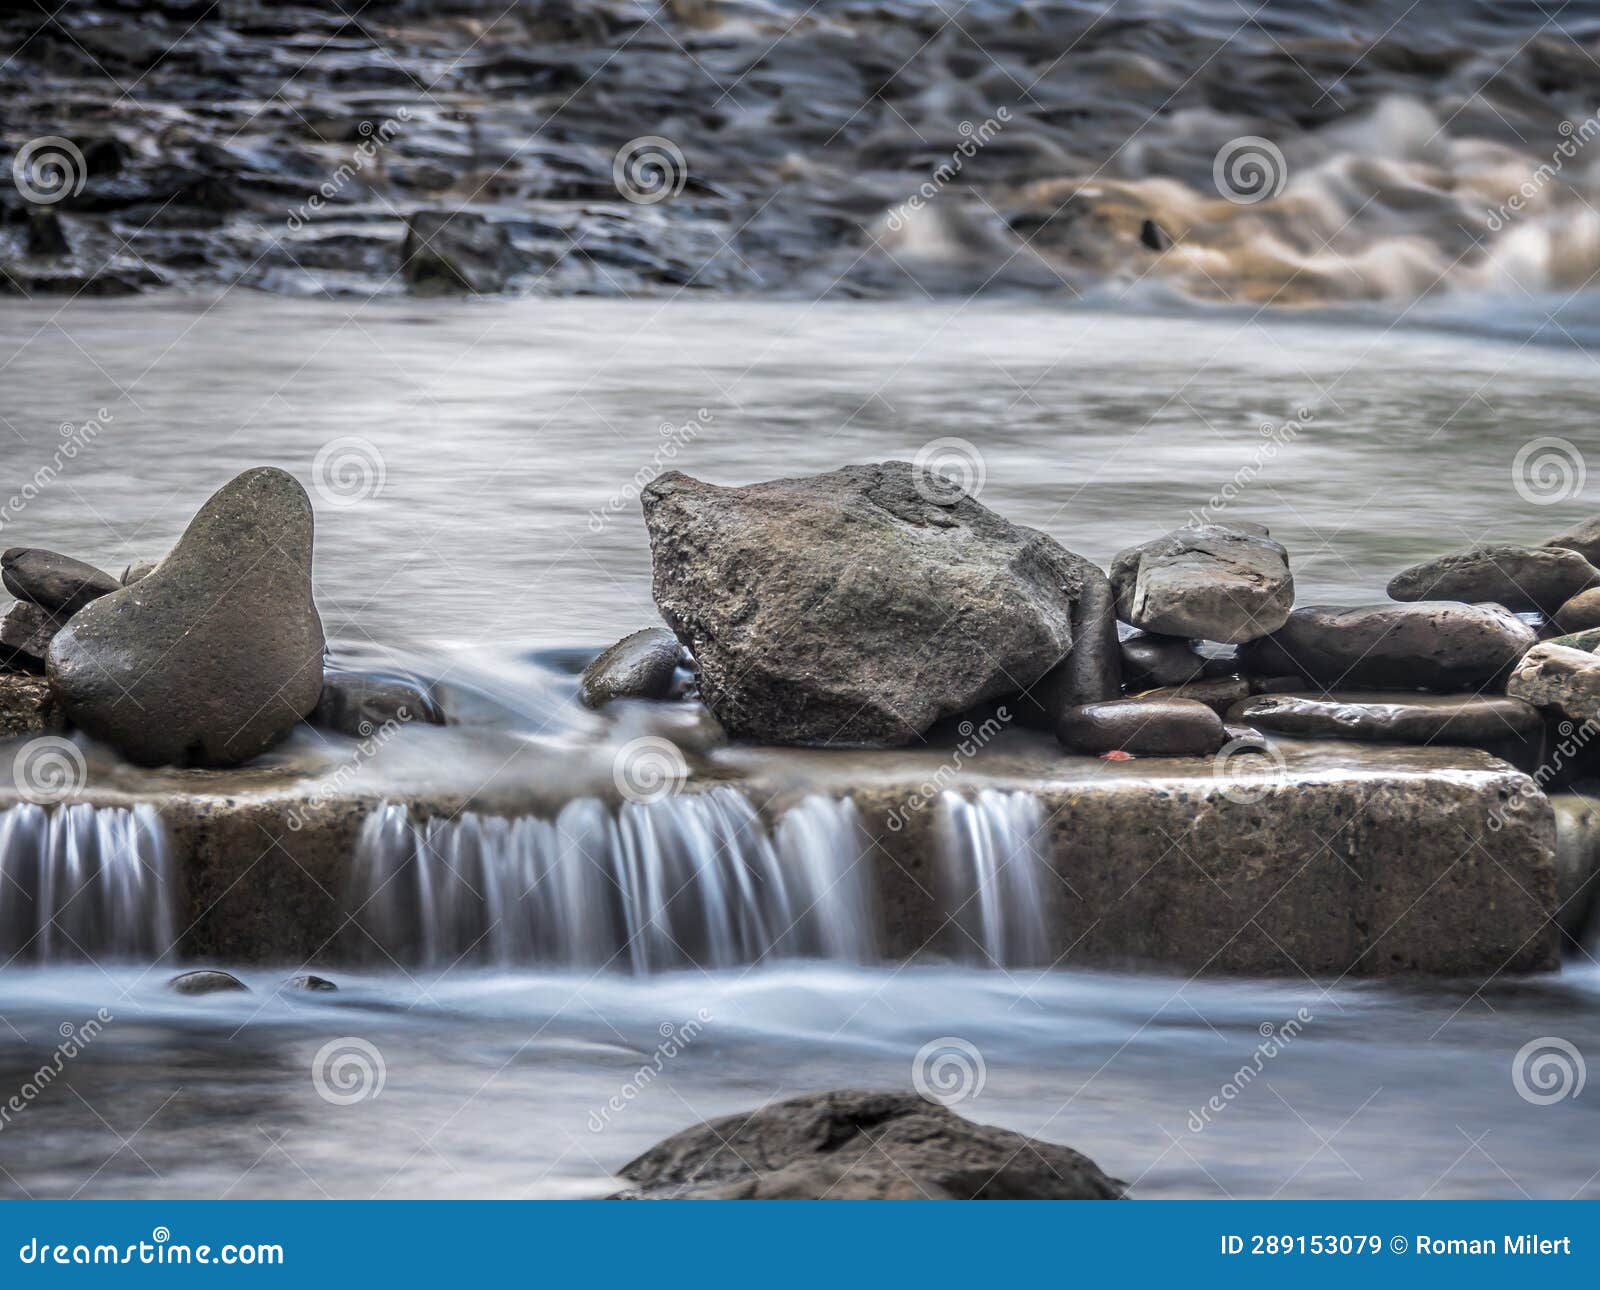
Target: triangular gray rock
x: 214, y: 656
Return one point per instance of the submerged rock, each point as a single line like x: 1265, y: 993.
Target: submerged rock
x: 1432, y: 645
x: 358, y: 703
x: 862, y: 1146
x: 1518, y: 577
x: 207, y: 981
x: 641, y: 666
x: 54, y: 582
x: 25, y: 635
x: 1152, y: 727
x: 1210, y: 581
x: 28, y: 706
x: 857, y: 606
x: 216, y: 655
x: 309, y: 984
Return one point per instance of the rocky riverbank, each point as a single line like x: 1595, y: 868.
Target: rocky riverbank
x: 1287, y: 156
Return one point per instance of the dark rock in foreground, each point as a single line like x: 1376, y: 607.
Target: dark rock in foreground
x: 1092, y: 671
x: 1432, y: 645
x: 214, y: 656
x: 862, y: 1146
x: 1150, y: 659
x: 1518, y: 577
x: 359, y: 703
x: 643, y: 665
x: 1209, y: 581
x: 1152, y: 727
x: 1580, y: 613
x: 858, y: 606
x: 56, y: 583
x: 206, y: 981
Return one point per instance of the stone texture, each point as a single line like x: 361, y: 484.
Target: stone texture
x: 1583, y: 538
x: 1580, y: 613
x: 359, y: 703
x: 1149, y: 660
x: 214, y: 656
x: 1092, y: 670
x: 28, y: 706
x: 1153, y: 727
x: 861, y: 1146
x: 1208, y: 581
x: 1518, y: 577
x: 1432, y: 645
x: 309, y: 984
x: 1563, y: 673
x: 643, y: 665
x: 1502, y: 726
x: 858, y: 606
x: 54, y: 582
x: 25, y: 635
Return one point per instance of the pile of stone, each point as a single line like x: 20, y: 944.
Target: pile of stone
x: 207, y: 658
x: 866, y: 606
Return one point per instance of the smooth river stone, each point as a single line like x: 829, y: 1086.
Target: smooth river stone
x: 1207, y: 581
x: 1518, y: 577
x: 217, y: 654
x: 1150, y: 659
x: 54, y: 582
x: 1508, y: 728
x: 1563, y: 673
x: 643, y: 665
x: 1579, y: 614
x: 856, y: 607
x: 1217, y: 693
x: 1149, y: 727
x: 1439, y: 645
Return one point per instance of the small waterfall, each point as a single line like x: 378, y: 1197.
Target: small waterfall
x: 692, y: 879
x: 994, y: 852
x: 84, y: 882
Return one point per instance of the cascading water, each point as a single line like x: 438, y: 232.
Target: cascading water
x: 692, y: 879
x: 84, y: 882
x: 993, y: 851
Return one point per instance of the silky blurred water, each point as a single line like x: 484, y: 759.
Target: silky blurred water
x: 481, y: 485
x: 502, y: 1084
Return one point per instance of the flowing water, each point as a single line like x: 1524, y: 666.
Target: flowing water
x: 475, y: 471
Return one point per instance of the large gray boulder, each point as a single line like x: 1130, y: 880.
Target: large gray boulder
x: 851, y: 1145
x: 1437, y: 645
x: 214, y: 656
x: 54, y: 582
x: 1518, y: 577
x: 858, y: 606
x: 1207, y: 581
